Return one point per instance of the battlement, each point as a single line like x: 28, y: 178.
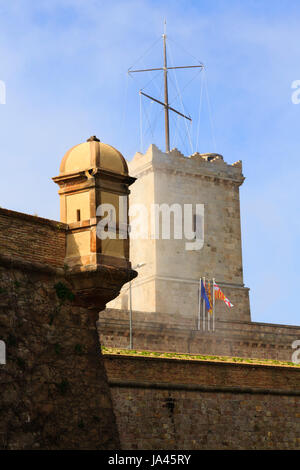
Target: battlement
x: 208, y: 165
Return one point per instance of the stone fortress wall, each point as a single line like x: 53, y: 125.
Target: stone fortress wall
x: 32, y: 238
x: 152, y: 332
x: 53, y: 387
x: 180, y: 404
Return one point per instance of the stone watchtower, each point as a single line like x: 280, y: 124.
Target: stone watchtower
x: 168, y: 282
x: 93, y: 173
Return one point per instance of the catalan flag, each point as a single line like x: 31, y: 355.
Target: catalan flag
x: 210, y: 311
x: 220, y: 296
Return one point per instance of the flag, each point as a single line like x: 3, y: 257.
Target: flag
x: 219, y: 295
x: 204, y: 295
x: 210, y: 311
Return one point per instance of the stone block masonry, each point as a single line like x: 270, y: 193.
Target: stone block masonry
x: 180, y: 404
x: 53, y: 387
x: 32, y: 239
x: 162, y: 332
x: 169, y: 180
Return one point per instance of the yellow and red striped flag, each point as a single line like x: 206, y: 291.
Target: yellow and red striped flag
x: 210, y: 311
x: 220, y: 296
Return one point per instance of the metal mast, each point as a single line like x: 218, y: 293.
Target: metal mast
x: 166, y: 105
x: 167, y: 128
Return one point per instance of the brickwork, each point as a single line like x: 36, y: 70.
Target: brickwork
x: 32, y: 238
x: 179, y: 404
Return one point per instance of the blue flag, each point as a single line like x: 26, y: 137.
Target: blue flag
x: 204, y: 296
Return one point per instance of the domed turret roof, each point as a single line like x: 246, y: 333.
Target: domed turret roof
x: 93, y: 154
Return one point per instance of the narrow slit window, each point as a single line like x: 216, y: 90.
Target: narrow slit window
x: 78, y: 215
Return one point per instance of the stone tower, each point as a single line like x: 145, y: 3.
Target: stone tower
x: 168, y: 280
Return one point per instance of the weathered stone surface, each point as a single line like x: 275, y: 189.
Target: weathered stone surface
x: 163, y: 332
x: 178, y: 404
x: 54, y: 393
x: 32, y: 239
x: 53, y: 387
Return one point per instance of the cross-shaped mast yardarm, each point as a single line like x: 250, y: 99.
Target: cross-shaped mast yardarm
x: 166, y: 105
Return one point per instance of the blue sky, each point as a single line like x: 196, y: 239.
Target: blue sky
x: 65, y: 62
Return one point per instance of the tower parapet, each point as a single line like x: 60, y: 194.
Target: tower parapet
x: 197, y: 164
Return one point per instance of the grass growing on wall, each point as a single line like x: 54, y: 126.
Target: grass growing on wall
x: 196, y: 357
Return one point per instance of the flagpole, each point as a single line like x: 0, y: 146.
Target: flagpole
x: 203, y: 306
x: 208, y: 314
x: 130, y: 316
x: 213, y: 300
x: 199, y: 303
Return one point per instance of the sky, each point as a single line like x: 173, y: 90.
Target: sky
x: 64, y: 64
